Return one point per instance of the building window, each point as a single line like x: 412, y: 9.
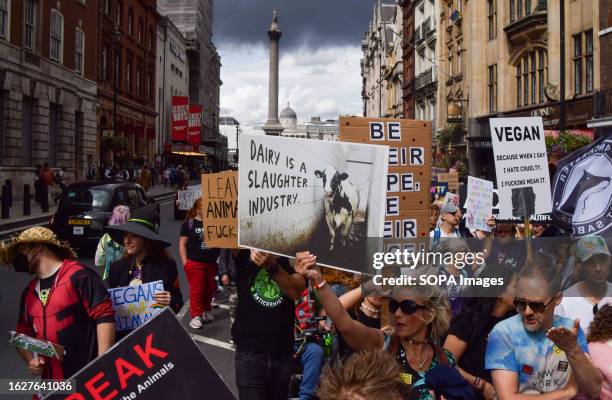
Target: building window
x: 492, y: 18
x: 128, y: 76
x: 56, y: 36
x: 140, y: 31
x: 29, y: 20
x: 527, y: 7
x: 119, y: 16
x: 518, y: 84
x: 450, y: 61
x: 118, y: 67
x: 588, y: 60
x: 130, y: 23
x: 54, y: 117
x: 512, y: 10
x: 459, y: 68
x: 79, y: 51
x: 492, y: 88
x: 578, y: 63
x: 138, y: 87
x: 106, y: 7
x: 104, y: 63
x: 541, y: 74
x: 531, y: 75
x: 4, y: 18
x: 151, y: 38
x: 27, y: 124
x: 519, y: 9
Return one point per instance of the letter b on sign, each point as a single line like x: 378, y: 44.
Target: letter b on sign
x: 377, y: 131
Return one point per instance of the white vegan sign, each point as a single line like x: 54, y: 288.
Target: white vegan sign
x: 521, y: 162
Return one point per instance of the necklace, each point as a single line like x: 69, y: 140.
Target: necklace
x: 425, y: 356
x: 372, y: 310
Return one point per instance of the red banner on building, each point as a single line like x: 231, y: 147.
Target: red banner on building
x: 195, y: 123
x: 180, y: 118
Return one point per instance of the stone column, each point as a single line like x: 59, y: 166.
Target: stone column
x: 273, y: 126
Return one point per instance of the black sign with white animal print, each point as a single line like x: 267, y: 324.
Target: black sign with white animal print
x: 299, y: 194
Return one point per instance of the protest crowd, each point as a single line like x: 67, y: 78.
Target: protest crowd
x: 309, y: 331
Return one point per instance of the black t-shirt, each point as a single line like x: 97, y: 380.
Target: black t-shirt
x: 44, y: 287
x: 264, y: 316
x: 344, y: 350
x: 196, y: 247
x: 474, y: 328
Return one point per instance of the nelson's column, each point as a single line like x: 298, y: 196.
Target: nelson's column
x: 272, y: 125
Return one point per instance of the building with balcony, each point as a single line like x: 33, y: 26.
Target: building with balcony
x: 47, y: 88
x: 426, y: 70
x: 502, y: 60
x: 126, y: 53
x: 381, y: 65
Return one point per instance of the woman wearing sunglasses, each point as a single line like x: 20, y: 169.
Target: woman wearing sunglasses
x: 420, y: 317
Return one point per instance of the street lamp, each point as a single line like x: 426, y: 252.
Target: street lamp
x: 237, y: 132
x: 116, y: 36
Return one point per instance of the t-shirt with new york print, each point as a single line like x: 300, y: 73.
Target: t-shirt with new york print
x: 541, y: 366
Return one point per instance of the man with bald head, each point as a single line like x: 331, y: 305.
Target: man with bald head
x: 537, y: 354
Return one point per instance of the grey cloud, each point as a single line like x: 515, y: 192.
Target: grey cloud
x: 311, y: 23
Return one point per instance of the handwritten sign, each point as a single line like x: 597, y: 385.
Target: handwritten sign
x: 43, y: 347
x: 186, y: 198
x: 134, y: 305
x: 521, y: 166
x: 220, y: 209
x: 479, y: 204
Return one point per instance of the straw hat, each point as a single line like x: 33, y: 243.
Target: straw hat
x: 36, y: 235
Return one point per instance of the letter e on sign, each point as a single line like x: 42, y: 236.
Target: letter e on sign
x: 377, y: 131
x: 393, y: 182
x: 407, y: 182
x: 394, y: 131
x: 388, y: 230
x: 392, y: 206
x: 393, y: 156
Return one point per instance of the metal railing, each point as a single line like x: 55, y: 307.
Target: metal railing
x: 426, y: 77
x: 602, y: 103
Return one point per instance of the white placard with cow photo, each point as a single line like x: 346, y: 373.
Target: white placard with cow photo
x: 300, y: 194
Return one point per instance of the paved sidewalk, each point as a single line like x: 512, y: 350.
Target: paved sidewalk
x: 17, y: 220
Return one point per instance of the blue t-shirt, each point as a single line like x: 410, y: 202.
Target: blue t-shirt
x: 541, y: 366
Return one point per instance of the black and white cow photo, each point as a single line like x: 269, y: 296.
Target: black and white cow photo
x: 300, y: 194
x: 341, y: 201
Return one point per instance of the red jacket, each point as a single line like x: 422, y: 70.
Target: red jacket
x: 76, y: 304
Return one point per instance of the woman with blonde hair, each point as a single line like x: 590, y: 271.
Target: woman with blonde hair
x: 108, y: 251
x: 200, y: 264
x: 600, y: 347
x: 420, y: 317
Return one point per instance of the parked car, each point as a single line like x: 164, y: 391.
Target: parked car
x: 180, y: 210
x: 85, y: 207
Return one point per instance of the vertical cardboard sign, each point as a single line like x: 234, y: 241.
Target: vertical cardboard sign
x: 180, y: 118
x: 220, y: 209
x: 409, y: 173
x: 195, y: 124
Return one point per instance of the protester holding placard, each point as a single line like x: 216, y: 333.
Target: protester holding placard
x: 108, y: 251
x: 146, y: 260
x: 61, y: 287
x: 263, y: 329
x: 200, y: 264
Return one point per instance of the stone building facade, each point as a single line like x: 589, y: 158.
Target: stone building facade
x: 519, y: 43
x: 381, y: 65
x: 602, y: 100
x: 47, y: 88
x: 425, y: 56
x: 127, y: 38
x: 172, y: 78
x: 194, y: 18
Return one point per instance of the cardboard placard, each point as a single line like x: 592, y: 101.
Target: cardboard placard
x: 451, y: 178
x: 157, y: 361
x: 521, y: 166
x: 134, y: 305
x: 301, y: 194
x: 409, y: 141
x: 220, y: 209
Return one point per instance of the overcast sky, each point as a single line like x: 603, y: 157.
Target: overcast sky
x: 320, y: 52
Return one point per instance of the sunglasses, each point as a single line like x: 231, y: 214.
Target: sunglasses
x: 407, y: 306
x: 537, y: 307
